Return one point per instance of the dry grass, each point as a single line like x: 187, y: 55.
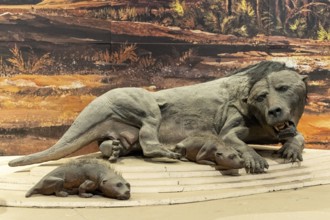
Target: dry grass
x: 31, y: 64
x: 5, y: 69
x: 146, y: 62
x: 125, y: 54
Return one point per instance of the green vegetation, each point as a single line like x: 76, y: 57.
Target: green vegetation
x: 178, y: 6
x: 293, y: 18
x: 322, y: 34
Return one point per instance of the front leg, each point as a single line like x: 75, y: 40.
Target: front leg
x: 292, y: 148
x: 254, y: 163
x: 85, y: 187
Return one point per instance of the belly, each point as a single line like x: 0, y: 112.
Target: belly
x: 179, y: 126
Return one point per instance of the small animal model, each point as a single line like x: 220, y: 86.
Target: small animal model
x: 210, y: 150
x: 84, y: 177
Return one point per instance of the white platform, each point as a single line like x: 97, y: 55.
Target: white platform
x: 164, y: 181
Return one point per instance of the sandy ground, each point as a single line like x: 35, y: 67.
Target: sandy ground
x: 307, y: 203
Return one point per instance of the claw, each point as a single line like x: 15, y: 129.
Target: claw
x: 289, y: 155
x: 257, y: 168
x: 247, y: 167
x: 294, y: 158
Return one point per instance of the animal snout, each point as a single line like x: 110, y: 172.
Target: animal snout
x: 275, y: 112
x: 125, y: 196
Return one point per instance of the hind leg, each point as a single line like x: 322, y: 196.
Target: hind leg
x: 53, y: 185
x: 85, y: 187
x: 148, y: 137
x: 139, y: 108
x: 111, y: 149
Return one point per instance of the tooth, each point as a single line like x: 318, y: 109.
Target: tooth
x: 276, y: 128
x: 287, y: 124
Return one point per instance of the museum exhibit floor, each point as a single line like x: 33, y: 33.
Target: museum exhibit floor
x: 169, y: 188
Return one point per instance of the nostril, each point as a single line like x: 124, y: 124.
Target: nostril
x: 275, y: 112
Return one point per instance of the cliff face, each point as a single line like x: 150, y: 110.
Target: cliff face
x: 19, y: 2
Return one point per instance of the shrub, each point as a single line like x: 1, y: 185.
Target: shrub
x: 31, y: 64
x: 323, y: 34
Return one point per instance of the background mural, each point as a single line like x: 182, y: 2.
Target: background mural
x: 58, y: 55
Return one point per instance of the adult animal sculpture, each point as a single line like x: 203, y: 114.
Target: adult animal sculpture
x: 260, y: 104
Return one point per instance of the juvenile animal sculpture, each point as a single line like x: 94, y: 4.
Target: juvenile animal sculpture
x: 83, y: 177
x: 261, y: 104
x: 210, y: 150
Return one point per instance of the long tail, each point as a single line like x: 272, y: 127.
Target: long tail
x: 90, y: 125
x: 31, y: 192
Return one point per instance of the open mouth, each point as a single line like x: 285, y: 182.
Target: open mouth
x: 285, y: 129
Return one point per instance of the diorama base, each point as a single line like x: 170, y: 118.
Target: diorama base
x: 164, y: 181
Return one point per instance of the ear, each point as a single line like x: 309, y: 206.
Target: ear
x: 304, y: 78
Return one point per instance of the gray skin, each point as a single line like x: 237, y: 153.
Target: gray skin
x: 122, y: 141
x: 261, y: 104
x: 210, y: 150
x: 83, y: 177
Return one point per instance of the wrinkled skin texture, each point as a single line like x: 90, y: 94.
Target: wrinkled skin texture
x: 210, y: 150
x: 277, y: 103
x: 261, y: 104
x: 122, y: 140
x: 83, y: 177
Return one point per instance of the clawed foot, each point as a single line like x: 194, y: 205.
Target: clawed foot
x: 254, y: 163
x: 111, y: 149
x: 291, y: 152
x: 115, y: 152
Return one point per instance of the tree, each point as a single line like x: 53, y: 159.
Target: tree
x: 229, y: 7
x: 258, y: 7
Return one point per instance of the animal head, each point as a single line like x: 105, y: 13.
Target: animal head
x: 115, y: 187
x: 277, y: 101
x: 228, y: 158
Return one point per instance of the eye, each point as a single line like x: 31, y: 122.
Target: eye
x: 260, y: 98
x: 128, y: 185
x: 119, y: 185
x: 219, y: 154
x: 282, y: 88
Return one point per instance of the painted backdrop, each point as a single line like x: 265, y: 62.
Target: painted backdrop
x: 58, y: 55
